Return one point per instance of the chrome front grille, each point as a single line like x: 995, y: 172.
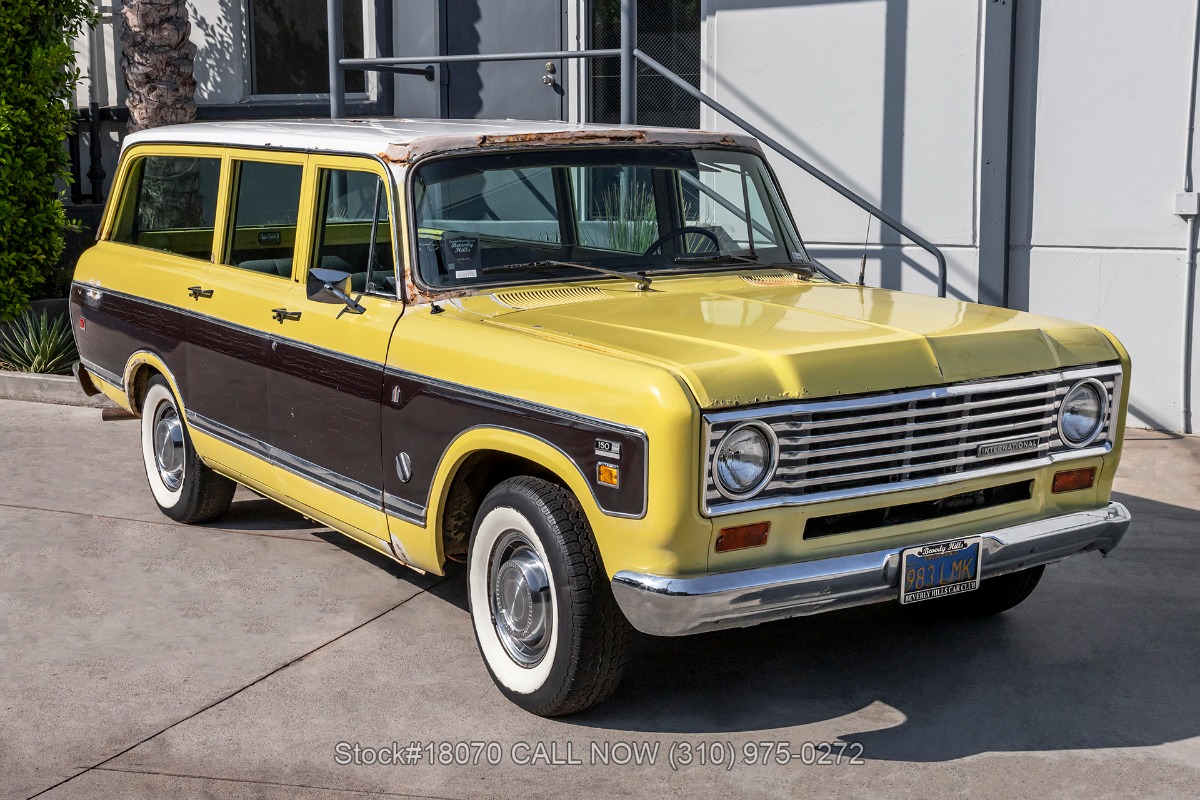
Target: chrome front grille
x: 833, y: 449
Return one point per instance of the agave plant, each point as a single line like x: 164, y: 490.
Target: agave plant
x: 39, y: 344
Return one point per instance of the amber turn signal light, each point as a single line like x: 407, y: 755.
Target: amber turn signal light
x: 608, y: 475
x: 1073, y: 480
x: 754, y: 535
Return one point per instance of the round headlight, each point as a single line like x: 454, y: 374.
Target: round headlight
x: 744, y: 459
x: 1082, y: 413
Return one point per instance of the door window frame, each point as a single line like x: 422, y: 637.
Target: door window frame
x: 395, y: 209
x: 225, y: 208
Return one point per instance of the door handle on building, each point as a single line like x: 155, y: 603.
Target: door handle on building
x: 197, y: 292
x: 282, y: 314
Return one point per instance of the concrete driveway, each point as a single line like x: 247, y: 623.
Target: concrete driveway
x: 248, y: 658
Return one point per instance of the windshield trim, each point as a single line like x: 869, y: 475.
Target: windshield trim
x: 782, y: 210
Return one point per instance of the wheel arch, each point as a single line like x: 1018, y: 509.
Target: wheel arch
x: 479, y: 459
x: 139, y: 369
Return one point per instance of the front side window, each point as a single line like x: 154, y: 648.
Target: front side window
x: 169, y: 203
x: 354, y: 231
x: 266, y: 207
x: 499, y: 218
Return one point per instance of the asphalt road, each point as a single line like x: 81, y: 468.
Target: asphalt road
x: 141, y: 658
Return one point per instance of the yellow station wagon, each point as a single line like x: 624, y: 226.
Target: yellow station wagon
x: 598, y: 365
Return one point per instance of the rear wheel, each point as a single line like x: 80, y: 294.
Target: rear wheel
x: 545, y: 619
x: 994, y: 595
x: 185, y: 489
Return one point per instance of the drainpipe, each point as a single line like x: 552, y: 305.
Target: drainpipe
x: 628, y: 62
x: 337, y: 76
x: 1187, y: 205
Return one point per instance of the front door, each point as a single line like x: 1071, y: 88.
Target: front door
x: 327, y: 361
x: 504, y: 89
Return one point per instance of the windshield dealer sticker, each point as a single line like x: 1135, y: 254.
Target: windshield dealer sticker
x: 461, y: 254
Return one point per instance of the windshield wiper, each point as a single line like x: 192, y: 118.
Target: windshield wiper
x: 806, y: 269
x: 803, y: 268
x: 715, y: 258
x: 643, y: 282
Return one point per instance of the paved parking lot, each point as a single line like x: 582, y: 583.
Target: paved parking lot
x: 141, y: 658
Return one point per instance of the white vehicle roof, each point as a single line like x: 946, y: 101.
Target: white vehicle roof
x: 403, y: 140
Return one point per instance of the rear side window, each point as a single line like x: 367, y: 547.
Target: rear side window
x: 266, y: 207
x: 169, y: 203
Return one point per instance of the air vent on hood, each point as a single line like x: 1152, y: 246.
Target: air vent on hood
x: 773, y: 278
x: 541, y: 298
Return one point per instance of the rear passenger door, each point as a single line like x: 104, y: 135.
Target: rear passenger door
x: 242, y: 294
x: 327, y: 368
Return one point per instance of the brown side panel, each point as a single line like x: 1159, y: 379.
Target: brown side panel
x: 117, y: 326
x: 422, y: 417
x: 325, y: 410
x: 229, y: 377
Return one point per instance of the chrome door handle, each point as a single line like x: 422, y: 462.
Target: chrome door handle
x: 197, y: 292
x: 282, y: 314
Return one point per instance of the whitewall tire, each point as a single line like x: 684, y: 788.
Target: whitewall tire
x: 545, y: 620
x: 184, y: 488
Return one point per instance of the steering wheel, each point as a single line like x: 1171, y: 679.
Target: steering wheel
x: 676, y: 233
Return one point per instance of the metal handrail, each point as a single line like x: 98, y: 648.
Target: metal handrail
x: 769, y: 141
x: 375, y: 63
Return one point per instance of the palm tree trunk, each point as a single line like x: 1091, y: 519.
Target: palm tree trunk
x: 157, y: 59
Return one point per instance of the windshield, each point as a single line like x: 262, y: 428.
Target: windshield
x: 645, y: 209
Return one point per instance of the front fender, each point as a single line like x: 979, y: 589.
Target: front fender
x: 669, y: 538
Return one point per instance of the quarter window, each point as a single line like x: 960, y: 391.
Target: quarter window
x: 266, y: 208
x: 354, y: 233
x: 169, y: 203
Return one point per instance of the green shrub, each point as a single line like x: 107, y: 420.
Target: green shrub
x: 39, y: 344
x: 37, y: 78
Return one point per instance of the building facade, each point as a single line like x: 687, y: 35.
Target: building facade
x: 1040, y: 143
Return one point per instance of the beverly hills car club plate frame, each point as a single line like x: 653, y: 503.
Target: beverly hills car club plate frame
x: 940, y: 570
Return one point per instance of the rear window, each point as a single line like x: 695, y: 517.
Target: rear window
x: 169, y: 203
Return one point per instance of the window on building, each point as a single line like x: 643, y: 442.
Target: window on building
x: 169, y: 203
x: 669, y: 32
x: 289, y: 46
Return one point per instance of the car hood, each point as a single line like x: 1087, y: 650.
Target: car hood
x: 737, y: 341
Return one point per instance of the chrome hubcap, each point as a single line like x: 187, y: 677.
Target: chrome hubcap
x: 168, y: 446
x: 520, y: 593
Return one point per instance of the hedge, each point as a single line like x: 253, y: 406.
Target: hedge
x: 37, y: 79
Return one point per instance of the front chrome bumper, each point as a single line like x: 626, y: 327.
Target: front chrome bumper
x: 678, y: 606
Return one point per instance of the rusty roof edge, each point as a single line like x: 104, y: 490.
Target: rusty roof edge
x: 423, y: 147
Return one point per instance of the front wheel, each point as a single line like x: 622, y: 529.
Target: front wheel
x: 185, y: 489
x: 545, y: 619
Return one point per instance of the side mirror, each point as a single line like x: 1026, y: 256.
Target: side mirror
x: 332, y: 286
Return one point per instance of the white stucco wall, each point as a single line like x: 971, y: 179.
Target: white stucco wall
x: 885, y: 95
